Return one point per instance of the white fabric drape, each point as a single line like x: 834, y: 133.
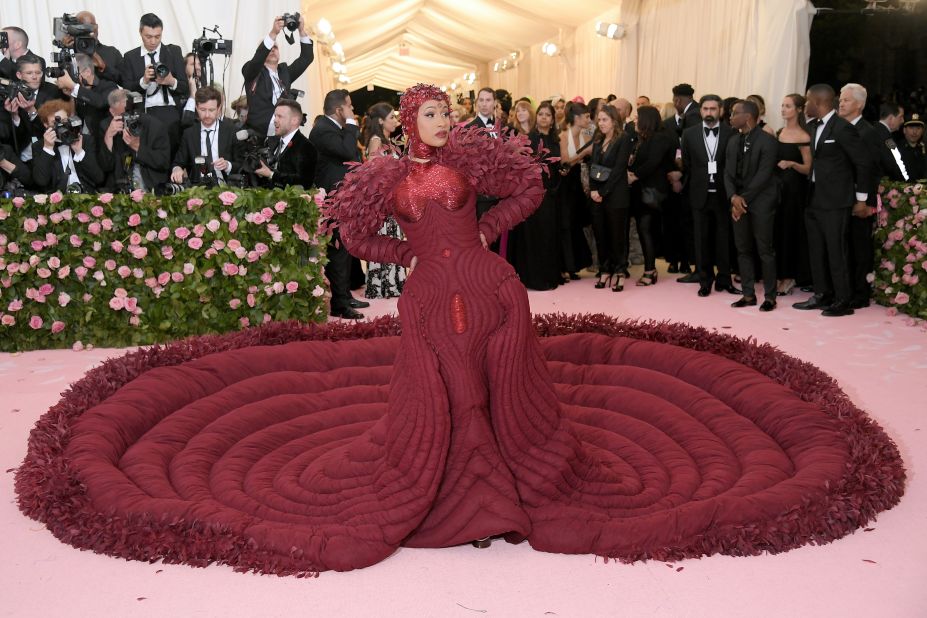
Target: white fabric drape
x: 245, y: 23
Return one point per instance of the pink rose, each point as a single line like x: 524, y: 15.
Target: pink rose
x: 64, y: 271
x: 163, y: 278
x: 164, y: 233
x: 116, y: 246
x: 135, y: 238
x: 83, y: 217
x: 233, y: 226
x: 209, y: 273
x: 51, y: 240
x: 233, y: 244
x: 94, y: 228
x: 56, y: 327
x: 227, y: 197
x: 177, y: 277
x: 30, y: 225
x: 225, y: 216
x: 124, y: 271
x: 15, y: 305
x: 75, y: 240
x: 35, y: 322
x: 55, y: 197
x: 280, y: 206
x: 43, y: 273
x: 137, y: 196
x: 63, y: 299
x: 195, y: 243
x: 54, y: 262
x: 234, y: 303
x: 199, y: 229
x: 257, y: 218
x: 318, y: 291
x: 241, y: 252
x: 81, y: 272
x: 96, y: 211
x: 278, y: 287
x: 250, y: 300
x: 209, y: 253
x: 151, y: 281
x: 18, y: 202
x: 168, y: 252
x: 267, y: 278
x: 139, y: 253
x: 12, y: 247
x: 86, y: 298
x: 218, y: 245
x: 291, y: 287
x: 134, y: 219
x: 253, y: 256
x: 89, y: 261
x: 230, y: 269
x: 301, y: 232
x: 213, y: 225
x: 194, y: 202
x: 107, y: 224
x: 267, y: 212
x: 134, y: 321
x: 37, y: 245
x: 78, y: 346
x: 131, y: 304
x: 106, y: 198
x: 244, y: 322
x: 109, y: 264
x: 8, y: 320
x: 55, y: 218
x: 188, y: 268
x: 267, y: 318
x: 181, y: 233
x: 149, y: 236
x: 261, y: 248
x: 901, y: 298
x: 116, y: 303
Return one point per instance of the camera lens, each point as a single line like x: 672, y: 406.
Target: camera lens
x: 162, y: 70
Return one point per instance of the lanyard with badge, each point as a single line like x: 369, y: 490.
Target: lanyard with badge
x: 712, y: 154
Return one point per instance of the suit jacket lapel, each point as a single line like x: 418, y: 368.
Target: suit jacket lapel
x: 825, y: 133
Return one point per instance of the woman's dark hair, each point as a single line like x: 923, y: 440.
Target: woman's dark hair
x: 573, y: 110
x: 372, y: 125
x: 648, y: 121
x: 616, y: 119
x: 554, y: 129
x: 593, y: 104
x: 727, y: 106
x: 799, y: 102
x: 505, y: 100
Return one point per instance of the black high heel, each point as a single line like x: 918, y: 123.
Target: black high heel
x: 619, y: 284
x: 482, y: 543
x: 601, y: 283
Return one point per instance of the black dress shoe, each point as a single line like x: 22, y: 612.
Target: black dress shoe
x: 347, y: 314
x: 744, y: 302
x: 690, y: 278
x: 358, y: 304
x: 859, y: 304
x: 483, y: 543
x: 574, y: 277
x: 837, y: 310
x: 703, y: 292
x: 815, y: 302
x: 768, y: 305
x: 727, y: 287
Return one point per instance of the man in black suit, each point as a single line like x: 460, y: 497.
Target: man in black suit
x: 485, y: 119
x: 12, y: 169
x: 63, y: 167
x: 294, y: 157
x: 861, y: 249
x: 703, y: 156
x: 89, y: 93
x: 267, y: 79
x: 107, y: 60
x: 132, y: 161
x: 24, y: 110
x: 750, y: 181
x: 334, y: 136
x: 840, y: 169
x: 19, y: 46
x: 891, y: 117
x: 211, y: 140
x: 678, y: 226
x: 163, y: 90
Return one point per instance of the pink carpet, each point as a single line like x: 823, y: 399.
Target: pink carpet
x: 878, y: 361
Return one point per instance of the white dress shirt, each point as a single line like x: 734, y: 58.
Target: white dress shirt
x: 275, y: 79
x: 68, y: 159
x: 213, y: 146
x: 153, y: 96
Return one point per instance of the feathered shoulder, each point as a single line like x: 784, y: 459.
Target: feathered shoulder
x: 363, y: 200
x: 494, y: 165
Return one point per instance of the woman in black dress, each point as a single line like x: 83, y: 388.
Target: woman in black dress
x: 653, y: 158
x: 573, y: 211
x: 608, y: 184
x: 534, y: 244
x: 794, y: 166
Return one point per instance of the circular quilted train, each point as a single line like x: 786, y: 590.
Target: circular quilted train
x: 201, y: 451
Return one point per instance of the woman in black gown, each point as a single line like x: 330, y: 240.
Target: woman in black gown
x: 533, y: 245
x: 574, y: 211
x: 794, y: 166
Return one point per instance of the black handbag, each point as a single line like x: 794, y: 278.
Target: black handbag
x: 652, y: 197
x: 599, y: 173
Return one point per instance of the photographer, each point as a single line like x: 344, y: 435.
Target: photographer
x: 64, y: 159
x: 89, y: 93
x: 293, y: 162
x: 137, y: 156
x: 107, y: 60
x: 150, y: 70
x: 34, y: 92
x: 12, y: 169
x: 210, y: 138
x: 267, y: 79
x: 19, y: 46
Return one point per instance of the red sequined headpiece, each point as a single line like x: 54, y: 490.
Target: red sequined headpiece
x: 411, y: 100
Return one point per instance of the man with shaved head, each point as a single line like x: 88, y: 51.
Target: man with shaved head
x: 107, y: 59
x: 19, y: 46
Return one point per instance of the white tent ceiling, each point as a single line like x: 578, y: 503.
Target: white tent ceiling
x: 445, y: 38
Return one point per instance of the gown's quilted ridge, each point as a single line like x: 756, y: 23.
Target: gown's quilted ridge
x: 251, y: 513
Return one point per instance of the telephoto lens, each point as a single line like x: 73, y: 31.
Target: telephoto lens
x: 291, y: 21
x: 162, y: 70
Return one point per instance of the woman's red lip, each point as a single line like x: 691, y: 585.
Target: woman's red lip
x: 441, y: 134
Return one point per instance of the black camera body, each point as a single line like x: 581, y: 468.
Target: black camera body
x: 291, y: 21
x: 4, y: 40
x: 11, y: 88
x: 169, y: 188
x: 68, y: 131
x: 54, y: 72
x: 68, y: 25
x: 205, y: 47
x: 254, y: 150
x: 132, y: 117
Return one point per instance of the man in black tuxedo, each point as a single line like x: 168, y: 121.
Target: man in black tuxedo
x: 210, y: 139
x: 162, y: 91
x: 89, y: 93
x: 107, y: 60
x: 678, y: 226
x: 334, y: 136
x: 132, y: 161
x: 750, y: 181
x: 703, y: 157
x: 840, y: 169
x: 19, y: 46
x: 267, y: 79
x: 861, y: 249
x: 63, y: 167
x: 485, y: 119
x: 294, y: 157
x: 24, y: 110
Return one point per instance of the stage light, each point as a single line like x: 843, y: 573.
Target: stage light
x: 344, y: 79
x: 453, y: 85
x: 338, y: 49
x: 549, y: 49
x: 609, y: 31
x: 338, y: 67
x: 323, y: 27
x: 496, y: 67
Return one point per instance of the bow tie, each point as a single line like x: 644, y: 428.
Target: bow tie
x: 711, y: 131
x: 814, y: 122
